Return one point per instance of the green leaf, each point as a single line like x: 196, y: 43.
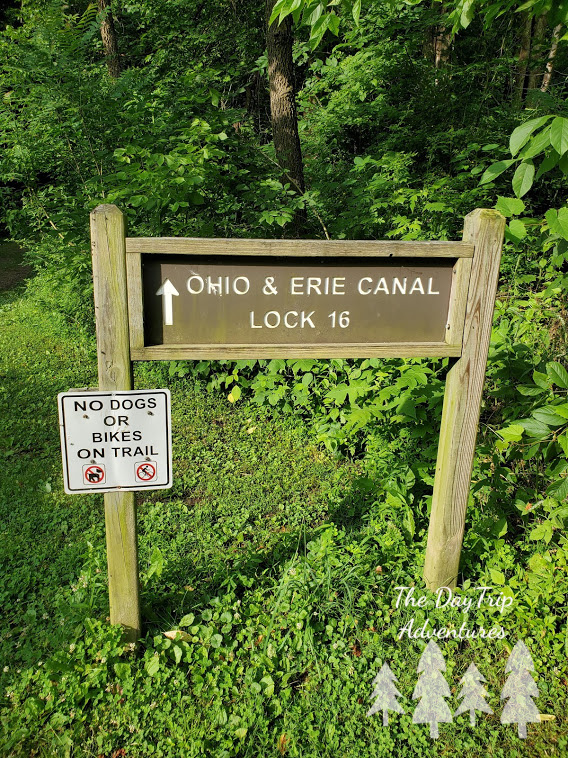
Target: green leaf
x: 318, y: 30
x: 529, y: 391
x: 541, y: 380
x: 280, y: 6
x: 509, y: 206
x: 153, y: 665
x: 512, y: 433
x: 523, y: 178
x: 559, y: 135
x: 559, y: 489
x: 408, y: 522
x: 497, y: 577
x: 241, y: 733
x: 122, y: 670
x: 557, y: 374
x: 558, y: 221
x: 234, y: 394
x: 548, y: 164
x: 467, y: 12
x: 537, y: 145
x: 495, y: 170
x: 337, y: 395
x: 156, y: 563
x: 407, y: 407
x: 563, y: 164
x: 313, y: 15
x: 548, y: 416
x: 516, y: 230
x: 216, y: 640
x: 522, y: 133
x: 333, y: 25
x: 187, y: 620
x: 536, y: 429
x: 542, y: 532
x: 356, y: 11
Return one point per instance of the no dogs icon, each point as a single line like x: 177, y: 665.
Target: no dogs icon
x: 94, y: 474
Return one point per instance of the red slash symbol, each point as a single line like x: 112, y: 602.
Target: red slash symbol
x: 94, y: 475
x: 146, y: 472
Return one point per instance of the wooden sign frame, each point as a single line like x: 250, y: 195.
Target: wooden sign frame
x: 462, y: 252
x: 117, y: 276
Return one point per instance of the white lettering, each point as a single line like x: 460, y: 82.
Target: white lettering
x: 430, y: 288
x: 417, y: 286
x: 364, y: 279
x: 286, y: 324
x: 214, y: 288
x: 267, y: 323
x: 252, y: 324
x: 314, y: 283
x: 396, y: 283
x: 381, y: 287
x: 200, y: 280
x: 338, y: 285
x: 297, y: 285
x: 246, y: 282
x: 306, y: 319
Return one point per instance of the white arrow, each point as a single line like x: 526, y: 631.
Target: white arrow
x: 168, y: 291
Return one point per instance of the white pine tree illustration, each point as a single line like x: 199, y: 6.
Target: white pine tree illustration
x: 386, y: 693
x: 473, y: 693
x: 432, y: 688
x: 520, y: 689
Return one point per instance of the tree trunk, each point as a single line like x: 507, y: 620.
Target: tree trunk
x: 438, y: 44
x: 282, y: 98
x: 110, y: 42
x: 551, y: 56
x: 523, y: 59
x: 536, y: 67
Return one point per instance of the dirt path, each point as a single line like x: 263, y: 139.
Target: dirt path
x: 12, y: 270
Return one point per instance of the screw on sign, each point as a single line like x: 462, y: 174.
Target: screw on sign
x: 94, y: 474
x: 145, y: 472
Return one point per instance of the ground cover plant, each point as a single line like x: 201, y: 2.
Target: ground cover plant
x: 302, y: 488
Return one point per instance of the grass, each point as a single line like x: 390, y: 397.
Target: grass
x: 277, y: 562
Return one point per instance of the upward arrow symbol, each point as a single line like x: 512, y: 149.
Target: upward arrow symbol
x: 167, y: 290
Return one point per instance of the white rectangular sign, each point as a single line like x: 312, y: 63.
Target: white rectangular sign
x: 115, y: 440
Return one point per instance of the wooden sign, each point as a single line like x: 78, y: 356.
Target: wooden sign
x: 231, y: 299
x: 183, y: 298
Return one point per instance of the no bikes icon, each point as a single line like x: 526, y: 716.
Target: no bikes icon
x: 146, y: 471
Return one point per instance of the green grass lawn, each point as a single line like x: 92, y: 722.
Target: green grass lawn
x: 277, y: 562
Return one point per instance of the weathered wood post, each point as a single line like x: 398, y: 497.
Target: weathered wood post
x: 462, y: 402
x: 108, y: 245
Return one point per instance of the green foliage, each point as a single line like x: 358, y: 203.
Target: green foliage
x: 268, y: 573
x: 317, y: 15
x: 302, y: 487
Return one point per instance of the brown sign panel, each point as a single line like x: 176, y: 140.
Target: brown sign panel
x: 205, y: 300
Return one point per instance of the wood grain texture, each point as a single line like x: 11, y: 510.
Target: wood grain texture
x: 246, y: 352
x: 135, y: 299
x: 115, y: 373
x: 304, y: 248
x: 462, y: 401
x: 458, y: 301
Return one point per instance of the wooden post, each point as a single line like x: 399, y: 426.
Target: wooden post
x: 108, y: 244
x: 462, y: 402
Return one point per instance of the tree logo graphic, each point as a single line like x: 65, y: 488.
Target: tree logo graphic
x: 386, y: 693
x: 473, y: 693
x: 431, y: 688
x: 520, y: 689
